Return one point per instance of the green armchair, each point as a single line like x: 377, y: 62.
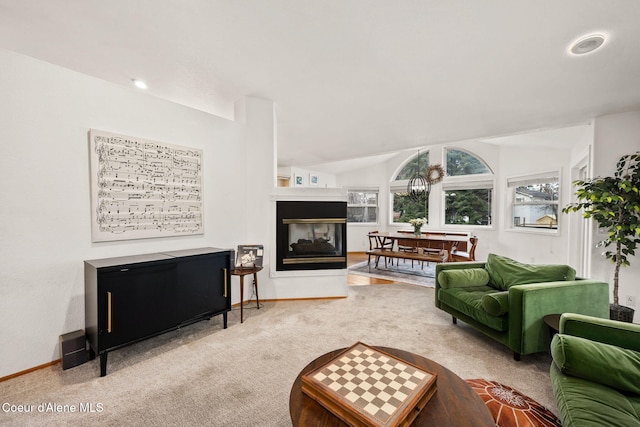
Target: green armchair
x: 595, y: 374
x: 507, y: 300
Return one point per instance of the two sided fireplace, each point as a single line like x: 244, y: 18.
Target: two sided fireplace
x: 311, y: 235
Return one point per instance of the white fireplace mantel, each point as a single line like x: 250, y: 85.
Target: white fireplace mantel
x: 312, y: 283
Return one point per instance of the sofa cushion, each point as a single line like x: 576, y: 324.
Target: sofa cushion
x: 584, y: 403
x: 496, y: 304
x: 634, y: 401
x: 468, y: 301
x: 505, y: 272
x: 465, y: 277
x: 594, y: 361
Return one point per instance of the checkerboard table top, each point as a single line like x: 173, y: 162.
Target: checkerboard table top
x: 370, y: 385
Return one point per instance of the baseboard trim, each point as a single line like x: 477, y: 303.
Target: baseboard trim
x: 301, y: 299
x: 27, y: 371
x: 237, y: 305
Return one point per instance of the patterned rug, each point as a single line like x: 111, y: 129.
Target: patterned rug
x: 510, y: 408
x: 399, y: 272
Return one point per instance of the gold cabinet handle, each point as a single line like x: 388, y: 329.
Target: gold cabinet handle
x: 109, y: 312
x: 225, y: 282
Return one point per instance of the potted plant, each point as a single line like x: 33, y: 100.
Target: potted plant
x: 614, y: 203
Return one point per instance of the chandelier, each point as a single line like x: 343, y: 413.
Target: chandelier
x: 418, y: 187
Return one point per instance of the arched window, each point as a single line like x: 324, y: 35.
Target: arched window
x: 468, y: 189
x: 418, y: 164
x: 404, y: 206
x: 464, y: 163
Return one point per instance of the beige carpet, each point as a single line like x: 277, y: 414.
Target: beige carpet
x: 241, y: 376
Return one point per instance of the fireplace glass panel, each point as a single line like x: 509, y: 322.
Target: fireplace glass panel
x: 315, y: 240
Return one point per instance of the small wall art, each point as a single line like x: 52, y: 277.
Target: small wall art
x: 313, y: 179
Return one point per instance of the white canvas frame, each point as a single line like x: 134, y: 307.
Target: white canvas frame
x: 143, y: 189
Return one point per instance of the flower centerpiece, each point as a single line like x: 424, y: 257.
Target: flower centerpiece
x: 417, y: 224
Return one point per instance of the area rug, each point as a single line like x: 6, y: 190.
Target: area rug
x: 401, y: 272
x: 510, y: 408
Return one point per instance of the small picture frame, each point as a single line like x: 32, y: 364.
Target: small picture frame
x: 299, y: 180
x: 249, y: 256
x: 313, y: 179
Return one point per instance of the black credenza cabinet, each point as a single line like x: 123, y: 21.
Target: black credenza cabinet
x: 128, y: 299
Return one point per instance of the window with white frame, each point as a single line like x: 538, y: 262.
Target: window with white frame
x: 534, y: 201
x: 362, y: 205
x: 468, y: 189
x: 468, y: 202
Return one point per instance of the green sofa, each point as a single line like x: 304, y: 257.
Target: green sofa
x: 507, y: 300
x: 595, y: 372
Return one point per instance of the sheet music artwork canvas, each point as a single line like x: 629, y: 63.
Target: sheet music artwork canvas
x: 249, y: 256
x: 142, y: 188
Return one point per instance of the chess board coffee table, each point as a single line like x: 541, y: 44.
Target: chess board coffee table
x: 453, y: 404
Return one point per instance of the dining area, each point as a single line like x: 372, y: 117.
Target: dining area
x: 432, y: 246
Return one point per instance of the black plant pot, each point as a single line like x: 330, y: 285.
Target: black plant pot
x: 621, y: 313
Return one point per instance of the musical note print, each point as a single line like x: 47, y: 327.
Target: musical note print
x: 143, y: 188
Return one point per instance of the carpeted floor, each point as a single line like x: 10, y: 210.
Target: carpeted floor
x: 241, y: 376
x: 403, y: 271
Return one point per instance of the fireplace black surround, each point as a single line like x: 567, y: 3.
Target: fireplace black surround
x: 311, y: 235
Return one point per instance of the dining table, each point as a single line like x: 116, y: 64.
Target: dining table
x: 427, y: 241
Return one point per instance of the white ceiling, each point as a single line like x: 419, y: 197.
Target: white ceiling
x: 352, y: 78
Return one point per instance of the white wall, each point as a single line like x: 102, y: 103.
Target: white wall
x: 375, y: 177
x: 528, y: 246
x: 258, y: 171
x: 45, y: 229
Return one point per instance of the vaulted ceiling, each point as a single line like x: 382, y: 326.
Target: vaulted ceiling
x: 352, y: 78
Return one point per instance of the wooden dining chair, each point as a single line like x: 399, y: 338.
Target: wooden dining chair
x: 469, y: 255
x: 407, y: 245
x: 378, y: 243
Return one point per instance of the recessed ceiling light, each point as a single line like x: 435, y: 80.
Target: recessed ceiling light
x: 140, y: 84
x: 587, y: 44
